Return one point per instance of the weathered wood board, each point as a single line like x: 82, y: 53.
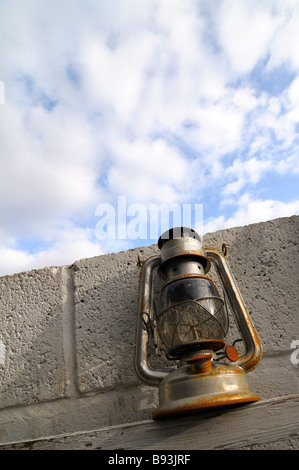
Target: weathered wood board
x: 259, y: 424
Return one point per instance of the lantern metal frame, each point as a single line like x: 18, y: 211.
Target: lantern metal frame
x: 202, y: 382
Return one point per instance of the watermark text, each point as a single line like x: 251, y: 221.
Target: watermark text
x: 138, y: 221
x: 2, y: 353
x: 295, y: 354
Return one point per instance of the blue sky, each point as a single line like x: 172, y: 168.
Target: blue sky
x: 155, y: 101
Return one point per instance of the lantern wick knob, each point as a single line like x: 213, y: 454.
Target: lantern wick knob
x: 200, y: 363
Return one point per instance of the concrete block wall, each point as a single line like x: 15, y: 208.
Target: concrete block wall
x: 67, y: 334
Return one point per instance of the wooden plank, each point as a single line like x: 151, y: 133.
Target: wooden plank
x: 264, y: 422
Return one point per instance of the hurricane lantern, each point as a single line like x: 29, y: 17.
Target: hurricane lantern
x: 188, y: 320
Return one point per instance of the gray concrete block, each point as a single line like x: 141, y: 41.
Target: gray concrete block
x: 32, y: 369
x: 264, y: 259
x: 106, y: 296
x: 77, y: 414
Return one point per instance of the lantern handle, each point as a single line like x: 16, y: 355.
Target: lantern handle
x: 143, y: 368
x: 253, y: 348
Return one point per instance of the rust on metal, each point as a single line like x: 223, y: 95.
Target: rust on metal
x: 217, y: 401
x: 140, y: 263
x: 188, y: 276
x: 186, y: 391
x: 231, y: 353
x: 212, y: 344
x: 200, y: 358
x: 200, y: 363
x: 224, y: 249
x: 253, y: 352
x: 142, y: 307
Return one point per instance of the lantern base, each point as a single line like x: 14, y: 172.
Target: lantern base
x: 189, y: 389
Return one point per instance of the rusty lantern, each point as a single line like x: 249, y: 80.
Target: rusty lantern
x: 188, y: 320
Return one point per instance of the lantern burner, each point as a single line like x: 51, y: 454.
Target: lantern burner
x: 187, y: 350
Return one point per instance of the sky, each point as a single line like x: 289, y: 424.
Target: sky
x: 110, y: 109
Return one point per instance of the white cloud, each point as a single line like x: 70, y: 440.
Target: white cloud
x: 284, y: 45
x: 220, y: 124
x: 245, y: 30
x: 71, y: 244
x: 289, y: 165
x: 48, y: 168
x: 245, y: 172
x: 273, y: 122
x: 148, y: 171
x: 253, y: 211
x: 293, y: 93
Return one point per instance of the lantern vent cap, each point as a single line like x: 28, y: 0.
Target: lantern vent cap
x: 181, y: 242
x: 177, y: 233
